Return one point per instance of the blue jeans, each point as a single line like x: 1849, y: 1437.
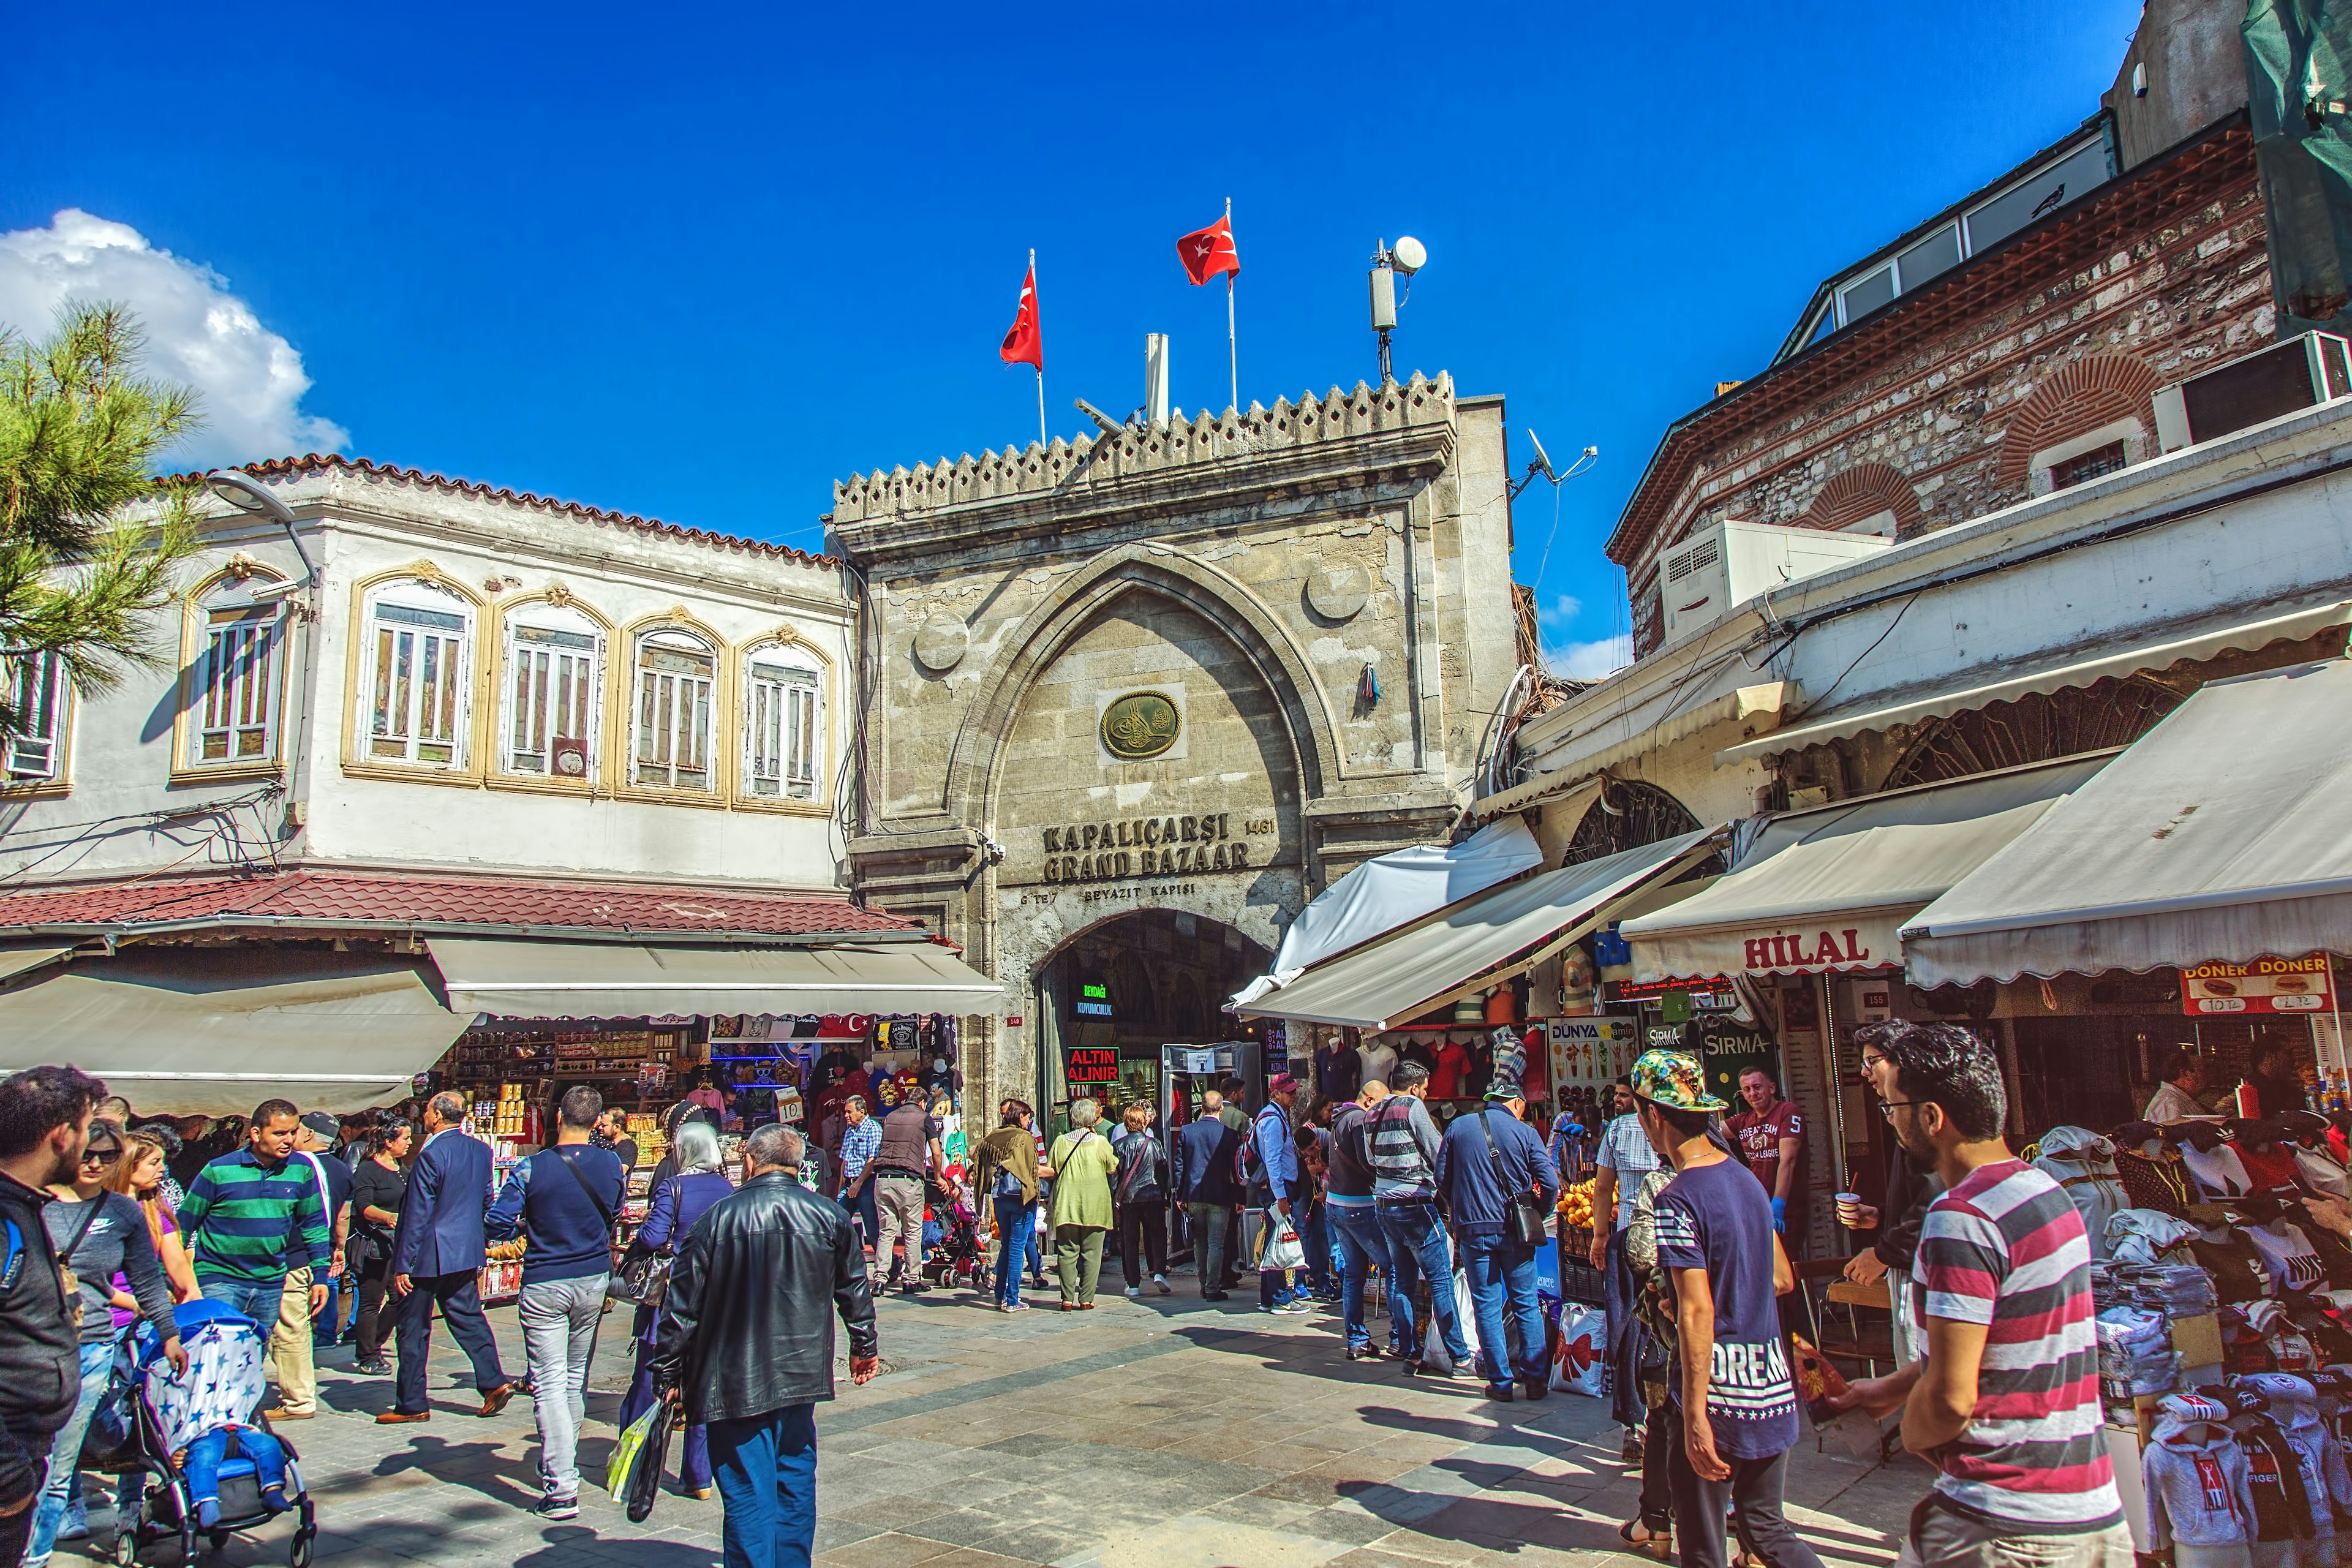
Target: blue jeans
x: 766, y: 1468
x: 1617, y: 1290
x: 1017, y: 1232
x: 1417, y: 1250
x: 1314, y: 1235
x: 258, y: 1303
x: 1502, y: 1285
x: 1359, y: 1246
x: 64, y: 1451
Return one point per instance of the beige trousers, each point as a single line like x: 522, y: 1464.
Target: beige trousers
x: 289, y: 1346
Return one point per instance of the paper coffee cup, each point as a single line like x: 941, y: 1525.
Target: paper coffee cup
x: 1848, y: 1204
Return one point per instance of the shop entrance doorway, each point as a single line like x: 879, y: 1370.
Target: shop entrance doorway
x: 1111, y: 997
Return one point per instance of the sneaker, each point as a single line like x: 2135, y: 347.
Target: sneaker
x: 1366, y: 1353
x: 557, y: 1508
x: 1133, y: 1291
x: 76, y: 1526
x: 1165, y: 1288
x: 379, y: 1367
x: 1212, y: 1294
x: 1292, y: 1309
x: 1500, y: 1391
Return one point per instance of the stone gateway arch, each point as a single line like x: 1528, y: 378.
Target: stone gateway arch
x: 1128, y: 703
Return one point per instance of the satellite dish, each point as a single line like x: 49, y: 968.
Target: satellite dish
x: 1408, y: 255
x: 1543, y: 459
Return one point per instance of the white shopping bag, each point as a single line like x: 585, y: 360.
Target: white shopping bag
x: 1462, y: 1309
x: 1578, y: 1366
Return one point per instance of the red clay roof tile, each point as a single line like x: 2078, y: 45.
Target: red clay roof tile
x: 380, y: 898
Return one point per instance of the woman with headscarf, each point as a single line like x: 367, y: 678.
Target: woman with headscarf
x: 681, y: 1198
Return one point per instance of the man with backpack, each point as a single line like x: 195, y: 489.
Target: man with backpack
x: 564, y: 1201
x: 1270, y: 1172
x: 1488, y: 1168
x: 1403, y: 1144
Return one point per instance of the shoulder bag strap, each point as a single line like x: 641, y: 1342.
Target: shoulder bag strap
x: 89, y: 1219
x: 1493, y: 1154
x: 602, y: 1212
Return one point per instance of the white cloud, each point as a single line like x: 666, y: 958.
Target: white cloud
x: 250, y: 379
x: 1563, y: 609
x: 1590, y: 660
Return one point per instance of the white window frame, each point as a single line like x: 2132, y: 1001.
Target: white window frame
x: 416, y: 661
x: 234, y: 684
x: 553, y: 692
x: 785, y: 753
x: 671, y: 712
x: 41, y: 693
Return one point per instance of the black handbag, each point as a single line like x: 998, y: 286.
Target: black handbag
x: 1523, y: 1215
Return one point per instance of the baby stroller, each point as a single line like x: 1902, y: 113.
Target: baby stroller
x: 213, y: 1465
x: 955, y: 1252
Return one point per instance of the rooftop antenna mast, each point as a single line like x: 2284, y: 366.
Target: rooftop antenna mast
x: 1406, y: 256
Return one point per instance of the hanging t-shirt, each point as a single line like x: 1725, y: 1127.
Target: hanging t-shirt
x: 2292, y: 1262
x: 1446, y: 1077
x: 1716, y: 1219
x: 2218, y: 1171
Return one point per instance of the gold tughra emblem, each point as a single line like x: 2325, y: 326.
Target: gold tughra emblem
x: 1140, y: 725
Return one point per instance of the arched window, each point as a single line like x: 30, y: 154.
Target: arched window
x: 37, y: 694
x: 677, y: 678
x: 553, y: 693
x: 783, y: 725
x: 234, y: 679
x: 1628, y: 814
x: 418, y: 648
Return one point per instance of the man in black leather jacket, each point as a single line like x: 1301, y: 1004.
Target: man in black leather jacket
x: 746, y: 1342
x: 44, y: 1123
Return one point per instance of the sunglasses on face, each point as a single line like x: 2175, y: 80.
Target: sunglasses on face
x: 106, y: 1156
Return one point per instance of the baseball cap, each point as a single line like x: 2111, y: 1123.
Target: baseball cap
x: 321, y: 1123
x: 1676, y: 1080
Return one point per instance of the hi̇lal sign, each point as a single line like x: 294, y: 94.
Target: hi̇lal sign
x: 1796, y: 949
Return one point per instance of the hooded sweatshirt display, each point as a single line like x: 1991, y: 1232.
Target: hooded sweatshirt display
x: 2144, y: 1236
x: 2216, y: 1172
x: 2199, y: 1482
x: 2292, y: 1262
x: 2084, y: 1164
x: 2319, y: 1458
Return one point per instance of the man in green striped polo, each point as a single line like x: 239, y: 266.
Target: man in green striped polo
x: 255, y: 1217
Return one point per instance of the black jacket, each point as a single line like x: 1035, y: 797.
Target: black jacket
x: 747, y: 1327
x: 40, y: 1340
x: 1903, y: 1207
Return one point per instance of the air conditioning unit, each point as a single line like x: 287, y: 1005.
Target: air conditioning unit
x: 1721, y: 567
x: 2302, y: 372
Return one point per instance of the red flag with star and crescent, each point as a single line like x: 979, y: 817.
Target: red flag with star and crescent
x: 1209, y: 251
x: 1025, y: 343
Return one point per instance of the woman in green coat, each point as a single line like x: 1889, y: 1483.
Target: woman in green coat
x: 1082, y: 1163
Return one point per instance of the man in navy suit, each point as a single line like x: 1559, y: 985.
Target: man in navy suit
x: 436, y: 1255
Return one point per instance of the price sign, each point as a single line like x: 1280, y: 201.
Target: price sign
x: 2266, y: 985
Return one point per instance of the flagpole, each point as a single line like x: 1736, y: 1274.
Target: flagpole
x: 1038, y: 305
x: 1233, y: 350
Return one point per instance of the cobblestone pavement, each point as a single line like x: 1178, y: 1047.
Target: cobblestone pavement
x: 1167, y: 1432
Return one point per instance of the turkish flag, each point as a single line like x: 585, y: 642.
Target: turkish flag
x: 1024, y: 345
x: 1210, y: 252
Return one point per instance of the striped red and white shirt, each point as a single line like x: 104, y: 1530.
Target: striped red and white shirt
x: 2006, y: 1249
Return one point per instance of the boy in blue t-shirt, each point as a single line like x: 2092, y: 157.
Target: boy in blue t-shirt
x: 1735, y: 1404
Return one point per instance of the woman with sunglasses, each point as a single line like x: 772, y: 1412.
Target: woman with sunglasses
x: 97, y: 1232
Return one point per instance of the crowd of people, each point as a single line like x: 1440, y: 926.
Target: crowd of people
x: 103, y: 1232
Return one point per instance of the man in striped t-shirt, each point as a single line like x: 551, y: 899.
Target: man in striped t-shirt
x: 2006, y: 1404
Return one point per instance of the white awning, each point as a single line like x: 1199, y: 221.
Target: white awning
x: 18, y: 958
x: 2224, y: 836
x: 2241, y: 635
x: 214, y: 1031
x: 622, y: 980
x: 1393, y: 889
x: 1829, y: 888
x: 1633, y: 734
x: 1476, y: 944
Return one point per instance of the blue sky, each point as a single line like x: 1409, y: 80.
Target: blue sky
x: 701, y: 267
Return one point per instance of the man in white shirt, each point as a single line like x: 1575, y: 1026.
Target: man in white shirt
x: 2176, y: 1096
x: 1626, y: 1155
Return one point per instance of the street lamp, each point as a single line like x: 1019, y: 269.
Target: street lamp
x: 240, y: 490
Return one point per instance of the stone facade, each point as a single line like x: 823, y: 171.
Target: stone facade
x: 1315, y: 598
x: 1956, y: 402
